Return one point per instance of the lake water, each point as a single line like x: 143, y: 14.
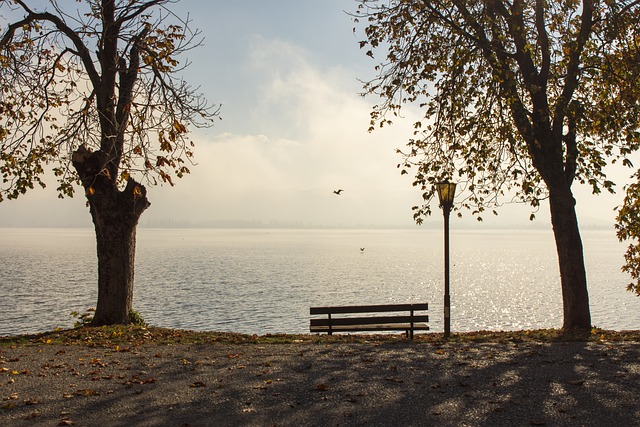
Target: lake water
x: 264, y: 281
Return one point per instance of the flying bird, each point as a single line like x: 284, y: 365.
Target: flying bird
x: 338, y: 191
x: 361, y: 249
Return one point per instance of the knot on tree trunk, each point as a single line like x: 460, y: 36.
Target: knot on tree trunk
x: 136, y: 193
x: 89, y: 164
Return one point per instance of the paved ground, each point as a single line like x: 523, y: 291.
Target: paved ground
x: 322, y: 384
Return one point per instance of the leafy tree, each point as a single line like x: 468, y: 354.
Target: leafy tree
x: 92, y: 89
x: 628, y: 228
x: 521, y: 99
x: 625, y: 64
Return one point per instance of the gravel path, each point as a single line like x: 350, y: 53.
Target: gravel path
x: 327, y: 384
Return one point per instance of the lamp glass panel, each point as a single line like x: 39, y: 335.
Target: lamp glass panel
x: 446, y: 192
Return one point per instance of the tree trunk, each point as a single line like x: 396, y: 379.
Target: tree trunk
x: 573, y: 278
x: 115, y: 215
x: 116, y: 245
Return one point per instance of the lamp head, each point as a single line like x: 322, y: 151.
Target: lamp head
x: 446, y: 193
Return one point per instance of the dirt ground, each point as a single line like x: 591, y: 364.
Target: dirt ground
x: 322, y: 384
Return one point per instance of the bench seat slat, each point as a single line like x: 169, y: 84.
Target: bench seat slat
x: 371, y: 320
x: 357, y: 328
x: 368, y: 308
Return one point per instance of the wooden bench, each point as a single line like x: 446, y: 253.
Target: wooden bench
x: 408, y: 321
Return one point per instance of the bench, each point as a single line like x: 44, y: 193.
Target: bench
x: 409, y: 321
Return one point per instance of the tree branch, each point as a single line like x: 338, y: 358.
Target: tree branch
x: 81, y: 49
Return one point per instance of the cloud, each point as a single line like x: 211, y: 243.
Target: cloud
x: 313, y: 140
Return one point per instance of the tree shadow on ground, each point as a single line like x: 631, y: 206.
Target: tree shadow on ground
x: 379, y: 383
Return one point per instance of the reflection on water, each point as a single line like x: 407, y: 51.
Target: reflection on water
x: 264, y: 281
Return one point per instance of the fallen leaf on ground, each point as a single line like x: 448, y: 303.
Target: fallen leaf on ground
x: 32, y: 415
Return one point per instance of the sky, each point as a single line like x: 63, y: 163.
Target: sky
x: 294, y: 128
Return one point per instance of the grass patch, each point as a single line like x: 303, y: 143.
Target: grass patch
x: 134, y: 335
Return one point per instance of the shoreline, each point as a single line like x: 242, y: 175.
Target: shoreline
x: 137, y: 334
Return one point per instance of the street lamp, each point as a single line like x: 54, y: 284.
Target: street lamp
x: 446, y: 193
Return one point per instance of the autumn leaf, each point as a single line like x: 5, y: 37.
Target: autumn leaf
x: 33, y: 415
x: 179, y: 127
x: 322, y: 387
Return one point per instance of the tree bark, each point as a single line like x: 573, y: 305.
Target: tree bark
x: 573, y: 278
x: 116, y: 242
x: 115, y: 215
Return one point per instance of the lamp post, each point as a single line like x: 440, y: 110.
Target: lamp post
x: 446, y: 193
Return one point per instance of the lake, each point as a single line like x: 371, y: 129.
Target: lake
x: 264, y: 281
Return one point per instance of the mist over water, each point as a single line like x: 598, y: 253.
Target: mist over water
x: 264, y: 281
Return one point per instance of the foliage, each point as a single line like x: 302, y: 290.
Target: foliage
x: 628, y: 228
x: 135, y: 318
x: 83, y: 319
x: 517, y: 96
x: 101, y: 75
x: 628, y: 218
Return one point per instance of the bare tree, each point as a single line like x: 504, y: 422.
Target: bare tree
x: 93, y: 89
